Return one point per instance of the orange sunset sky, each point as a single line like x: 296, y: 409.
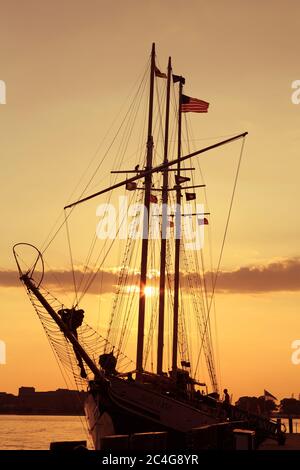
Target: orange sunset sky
x: 68, y: 68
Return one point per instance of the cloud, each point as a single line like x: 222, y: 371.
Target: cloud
x: 104, y: 281
x: 272, y: 277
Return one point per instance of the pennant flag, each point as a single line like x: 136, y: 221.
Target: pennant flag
x: 185, y: 363
x: 178, y: 78
x: 181, y: 179
x: 193, y: 105
x: 153, y: 199
x: 269, y: 396
x: 130, y: 186
x: 190, y: 196
x: 203, y: 221
x: 158, y: 73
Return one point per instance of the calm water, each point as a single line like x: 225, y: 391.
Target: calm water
x: 36, y: 432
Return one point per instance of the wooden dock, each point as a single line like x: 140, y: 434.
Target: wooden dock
x: 292, y: 443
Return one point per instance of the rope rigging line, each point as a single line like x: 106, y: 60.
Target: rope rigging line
x: 90, y: 251
x: 126, y: 309
x: 69, y: 385
x: 192, y: 293
x: 124, y: 296
x: 122, y: 280
x: 94, y: 273
x: 206, y: 336
x: 184, y: 344
x: 189, y: 129
x: 188, y: 268
x: 45, y: 245
x: 122, y: 299
x: 91, y: 340
x: 118, y: 305
x: 72, y: 263
x: 224, y: 239
x: 118, y: 160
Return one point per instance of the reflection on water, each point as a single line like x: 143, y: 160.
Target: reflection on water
x: 36, y: 432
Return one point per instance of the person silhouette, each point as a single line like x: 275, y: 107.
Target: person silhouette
x: 73, y: 319
x: 226, y: 397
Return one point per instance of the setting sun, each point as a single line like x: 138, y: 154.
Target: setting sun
x: 150, y: 291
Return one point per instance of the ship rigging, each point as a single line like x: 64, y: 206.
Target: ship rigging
x: 157, y: 391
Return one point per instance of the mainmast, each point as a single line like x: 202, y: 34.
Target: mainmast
x: 148, y: 181
x: 164, y: 223
x: 177, y: 237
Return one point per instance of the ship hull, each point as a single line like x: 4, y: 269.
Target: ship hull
x: 120, y: 407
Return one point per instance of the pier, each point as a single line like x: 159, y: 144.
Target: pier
x: 292, y: 443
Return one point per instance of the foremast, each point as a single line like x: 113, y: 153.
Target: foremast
x: 145, y: 239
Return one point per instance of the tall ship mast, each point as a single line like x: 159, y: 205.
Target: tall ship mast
x: 123, y: 395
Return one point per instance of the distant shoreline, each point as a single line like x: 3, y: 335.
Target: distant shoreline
x: 28, y: 402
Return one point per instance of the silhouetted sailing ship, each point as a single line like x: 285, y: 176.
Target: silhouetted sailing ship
x: 136, y: 400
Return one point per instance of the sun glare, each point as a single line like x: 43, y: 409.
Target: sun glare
x: 150, y: 291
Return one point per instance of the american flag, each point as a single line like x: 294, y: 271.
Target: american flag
x: 153, y: 199
x: 193, y: 105
x: 131, y: 186
x: 158, y: 73
x: 203, y: 221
